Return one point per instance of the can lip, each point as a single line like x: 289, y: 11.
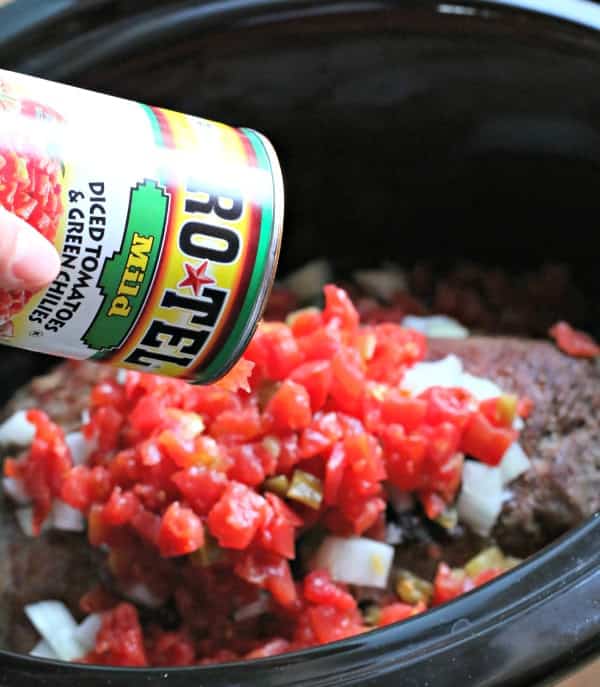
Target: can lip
x: 278, y: 189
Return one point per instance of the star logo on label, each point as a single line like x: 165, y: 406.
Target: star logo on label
x: 196, y: 277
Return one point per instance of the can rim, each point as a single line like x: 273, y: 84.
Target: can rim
x: 278, y: 191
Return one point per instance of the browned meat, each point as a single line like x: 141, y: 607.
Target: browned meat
x: 62, y: 393
x: 562, y: 436
x: 58, y: 565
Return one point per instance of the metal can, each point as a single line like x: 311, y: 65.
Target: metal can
x: 168, y: 228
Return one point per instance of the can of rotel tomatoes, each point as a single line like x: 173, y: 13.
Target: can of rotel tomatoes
x: 168, y: 228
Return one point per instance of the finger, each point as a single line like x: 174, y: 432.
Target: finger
x: 27, y: 259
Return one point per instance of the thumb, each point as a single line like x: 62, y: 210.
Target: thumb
x: 28, y: 261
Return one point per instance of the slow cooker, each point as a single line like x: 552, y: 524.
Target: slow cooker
x: 406, y: 129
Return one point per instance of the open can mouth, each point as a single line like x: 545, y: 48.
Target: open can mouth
x: 406, y: 129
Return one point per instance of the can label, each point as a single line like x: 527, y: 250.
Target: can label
x: 167, y: 226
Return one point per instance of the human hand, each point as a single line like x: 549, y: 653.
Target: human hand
x: 28, y: 261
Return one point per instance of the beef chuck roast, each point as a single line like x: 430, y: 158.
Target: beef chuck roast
x: 561, y: 437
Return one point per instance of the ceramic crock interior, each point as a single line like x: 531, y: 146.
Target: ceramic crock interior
x: 404, y: 133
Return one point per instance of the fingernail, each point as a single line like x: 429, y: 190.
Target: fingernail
x: 36, y: 262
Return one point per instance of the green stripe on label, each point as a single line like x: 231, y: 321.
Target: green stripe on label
x: 223, y: 358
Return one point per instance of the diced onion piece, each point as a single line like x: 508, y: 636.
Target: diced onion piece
x: 254, y: 609
x: 79, y: 447
x: 43, y: 650
x: 356, y: 560
x: 86, y: 631
x: 308, y: 281
x: 518, y: 424
x: 143, y: 595
x: 436, y: 326
x: 382, y: 283
x: 85, y: 416
x: 480, y: 387
x: 446, y: 372
x: 17, y: 430
x: 67, y: 518
x: 54, y: 622
x: 16, y: 490
x: 514, y: 463
x: 481, y: 497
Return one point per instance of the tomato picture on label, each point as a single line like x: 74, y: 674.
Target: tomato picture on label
x: 30, y: 188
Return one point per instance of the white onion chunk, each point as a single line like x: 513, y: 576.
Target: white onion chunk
x: 356, y: 560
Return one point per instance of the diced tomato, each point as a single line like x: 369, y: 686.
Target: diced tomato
x: 237, y: 516
x: 119, y: 640
x: 323, y: 412
x: 274, y: 350
x: 406, y: 458
x: 339, y: 307
x: 304, y: 322
x: 237, y: 378
x: 365, y: 461
x: 348, y: 380
x: 334, y: 473
x: 442, y: 441
x: 277, y: 534
x: 448, y: 405
x: 485, y: 442
x: 44, y: 467
x: 201, y: 487
x: 181, y: 531
x: 147, y: 415
x: 396, y: 348
x: 242, y: 425
x: 396, y: 612
x: 289, y: 454
x: 173, y: 649
x: 120, y: 507
x: 330, y: 624
x: 269, y: 571
x: 315, y: 376
x: 361, y: 513
x: 320, y: 589
x: 449, y: 584
x: 147, y: 525
x: 324, y: 430
x: 289, y: 407
x: 247, y: 466
x: 574, y: 342
x: 400, y: 409
x: 322, y: 344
